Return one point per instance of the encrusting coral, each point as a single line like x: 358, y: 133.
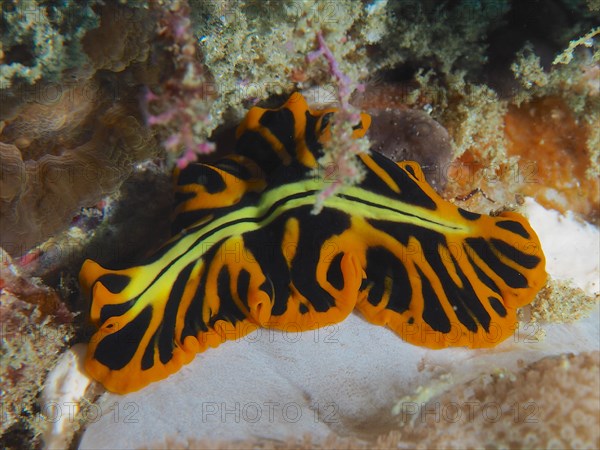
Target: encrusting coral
x: 53, y: 122
x: 123, y: 37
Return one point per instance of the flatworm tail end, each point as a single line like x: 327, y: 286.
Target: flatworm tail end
x: 445, y: 277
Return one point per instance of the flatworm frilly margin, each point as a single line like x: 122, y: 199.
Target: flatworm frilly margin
x: 246, y: 252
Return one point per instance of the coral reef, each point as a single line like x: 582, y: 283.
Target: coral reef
x: 44, y: 126
x: 36, y: 326
x: 184, y: 102
x: 73, y: 137
x: 46, y: 191
x: 123, y: 37
x: 498, y: 99
x: 449, y: 86
x: 70, y: 134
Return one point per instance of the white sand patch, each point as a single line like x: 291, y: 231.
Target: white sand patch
x: 572, y: 247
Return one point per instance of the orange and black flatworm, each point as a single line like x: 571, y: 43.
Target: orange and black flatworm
x: 246, y: 252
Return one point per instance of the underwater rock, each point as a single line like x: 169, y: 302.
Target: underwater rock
x: 413, y: 135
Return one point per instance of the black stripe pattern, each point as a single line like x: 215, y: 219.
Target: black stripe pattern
x: 246, y: 252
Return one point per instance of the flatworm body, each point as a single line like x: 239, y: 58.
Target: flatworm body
x: 246, y: 252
